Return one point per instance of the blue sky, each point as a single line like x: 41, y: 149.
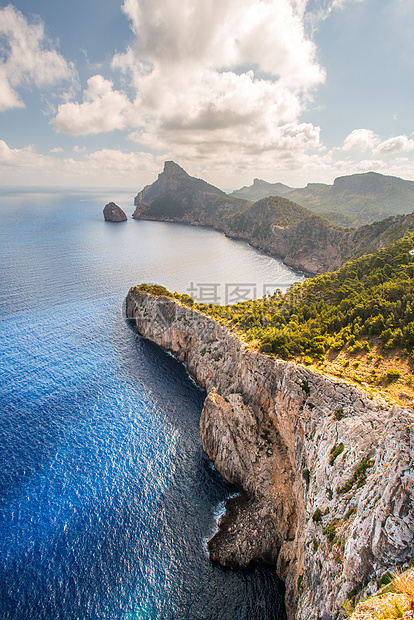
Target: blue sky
x: 102, y: 93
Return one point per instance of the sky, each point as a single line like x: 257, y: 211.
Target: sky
x: 102, y: 92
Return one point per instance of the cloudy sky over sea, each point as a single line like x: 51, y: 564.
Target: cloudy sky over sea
x: 101, y: 92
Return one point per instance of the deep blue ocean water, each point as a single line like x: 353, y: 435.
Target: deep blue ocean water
x: 106, y: 497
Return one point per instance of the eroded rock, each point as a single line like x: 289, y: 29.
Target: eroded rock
x: 113, y: 213
x: 327, y: 498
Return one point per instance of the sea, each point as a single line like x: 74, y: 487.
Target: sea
x: 107, y: 499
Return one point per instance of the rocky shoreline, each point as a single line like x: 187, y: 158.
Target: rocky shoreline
x: 326, y: 472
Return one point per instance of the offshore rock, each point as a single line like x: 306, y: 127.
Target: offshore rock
x: 113, y: 213
x: 326, y: 473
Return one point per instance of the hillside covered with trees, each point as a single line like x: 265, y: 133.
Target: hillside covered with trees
x: 357, y: 322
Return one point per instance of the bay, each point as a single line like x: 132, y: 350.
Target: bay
x: 106, y: 497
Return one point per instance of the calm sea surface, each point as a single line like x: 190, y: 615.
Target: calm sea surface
x: 106, y: 497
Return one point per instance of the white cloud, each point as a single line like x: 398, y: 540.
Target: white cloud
x: 361, y: 140
x: 28, y: 58
x: 227, y: 34
x: 228, y: 170
x: 341, y: 4
x: 223, y: 74
x: 395, y: 145
x: 320, y: 10
x: 366, y: 140
x: 103, y: 109
x: 105, y: 167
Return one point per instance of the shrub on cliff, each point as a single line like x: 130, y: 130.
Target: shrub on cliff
x: 369, y: 298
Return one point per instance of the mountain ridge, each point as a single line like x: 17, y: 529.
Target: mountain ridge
x: 362, y: 197
x: 300, y: 237
x: 262, y: 189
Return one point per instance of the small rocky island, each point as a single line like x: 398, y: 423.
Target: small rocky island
x: 113, y: 213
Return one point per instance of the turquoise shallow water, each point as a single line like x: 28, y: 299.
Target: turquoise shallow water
x: 106, y: 497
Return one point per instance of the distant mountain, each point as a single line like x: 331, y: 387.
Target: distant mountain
x: 176, y: 196
x: 261, y: 189
x: 364, y: 197
x: 302, y: 238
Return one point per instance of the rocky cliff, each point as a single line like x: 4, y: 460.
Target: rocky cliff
x: 113, y: 213
x: 302, y: 239
x: 325, y: 472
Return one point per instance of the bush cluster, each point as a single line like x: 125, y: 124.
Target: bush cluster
x: 369, y: 299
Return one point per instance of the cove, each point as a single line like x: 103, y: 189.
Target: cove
x: 106, y: 496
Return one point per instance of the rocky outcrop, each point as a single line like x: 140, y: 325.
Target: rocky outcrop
x: 325, y: 472
x: 113, y: 213
x: 303, y: 240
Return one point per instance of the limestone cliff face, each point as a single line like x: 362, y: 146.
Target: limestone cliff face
x: 326, y: 473
x: 310, y: 246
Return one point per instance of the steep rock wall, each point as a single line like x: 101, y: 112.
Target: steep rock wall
x: 326, y: 473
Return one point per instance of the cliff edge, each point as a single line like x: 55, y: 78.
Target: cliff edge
x: 325, y: 472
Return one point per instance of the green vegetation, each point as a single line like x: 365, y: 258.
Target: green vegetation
x: 350, y: 512
x: 393, y: 374
x: 306, y: 476
x: 259, y: 217
x: 368, y: 300
x: 330, y: 531
x: 395, y: 598
x: 364, y: 197
x: 317, y: 516
x: 160, y: 291
x: 336, y: 451
x: 385, y: 579
x: 358, y: 477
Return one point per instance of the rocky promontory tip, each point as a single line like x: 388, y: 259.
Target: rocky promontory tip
x: 113, y: 213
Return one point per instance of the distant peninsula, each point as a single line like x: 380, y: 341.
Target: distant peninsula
x: 113, y: 213
x: 303, y: 239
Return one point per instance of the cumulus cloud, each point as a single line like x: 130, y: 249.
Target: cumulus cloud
x: 28, y: 58
x: 103, y: 109
x: 227, y: 34
x: 361, y: 140
x: 111, y: 167
x: 366, y: 140
x: 218, y: 74
x: 395, y: 145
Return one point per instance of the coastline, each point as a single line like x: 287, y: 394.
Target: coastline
x: 330, y: 525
